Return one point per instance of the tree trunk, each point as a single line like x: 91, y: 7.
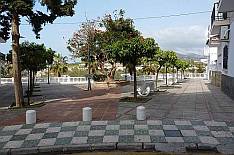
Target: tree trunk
x: 166, y: 75
x: 156, y: 82
x: 48, y: 75
x: 135, y: 83
x: 16, y: 63
x: 177, y: 74
x: 111, y: 74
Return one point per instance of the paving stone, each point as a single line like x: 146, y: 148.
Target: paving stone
x: 110, y: 138
x: 225, y: 140
x: 168, y: 147
x: 145, y: 127
x: 112, y: 132
x: 174, y: 139
x: 154, y: 122
x: 42, y: 125
x: 155, y: 127
x: 172, y: 133
x: 13, y: 144
x: 126, y: 139
x: 142, y: 138
x: 95, y: 139
x: 192, y: 139
x: 144, y: 122
x: 185, y: 127
x: 53, y: 129
x: 126, y: 132
x: 222, y: 134
x: 115, y: 122
x: 208, y: 140
x: 188, y: 133
x: 168, y: 122
x: 125, y: 127
x: 129, y: 146
x: 2, y: 144
x: 66, y: 134
x: 214, y: 123
x: 63, y: 141
x: 83, y: 128
x: 13, y: 127
x: 169, y: 127
x: 226, y: 149
x: 141, y: 132
x: 5, y: 138
x: 86, y: 123
x: 81, y: 134
x: 201, y: 128
x: 47, y: 142
x: 18, y: 137
x: 126, y: 122
x: 156, y: 133
x: 68, y: 128
x: 99, y: 123
x: 23, y: 131
x: 112, y: 127
x: 28, y: 126
x: 38, y: 130
x: 79, y: 140
x: 30, y: 143
x: 149, y: 146
x: 70, y: 124
x: 157, y: 139
x: 103, y: 147
x: 55, y: 125
x: 231, y: 129
x: 98, y: 127
x: 50, y: 135
x: 218, y: 128
x: 182, y: 122
x: 197, y: 123
x: 96, y: 132
x: 34, y: 136
x: 204, y: 133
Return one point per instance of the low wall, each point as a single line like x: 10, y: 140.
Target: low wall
x: 227, y: 85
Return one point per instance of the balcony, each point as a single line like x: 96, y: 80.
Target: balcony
x: 226, y: 6
x: 218, y: 19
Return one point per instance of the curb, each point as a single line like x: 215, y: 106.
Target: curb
x: 158, y: 147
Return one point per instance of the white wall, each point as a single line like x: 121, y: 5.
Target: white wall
x: 231, y: 52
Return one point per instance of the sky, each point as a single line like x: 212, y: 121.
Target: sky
x: 183, y: 34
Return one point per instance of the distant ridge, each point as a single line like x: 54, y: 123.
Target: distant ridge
x: 190, y: 56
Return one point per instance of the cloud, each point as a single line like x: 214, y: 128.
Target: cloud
x: 189, y: 39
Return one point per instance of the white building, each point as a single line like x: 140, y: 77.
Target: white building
x: 221, y: 42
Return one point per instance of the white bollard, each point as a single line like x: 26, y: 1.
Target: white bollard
x: 140, y: 113
x: 31, y: 117
x: 87, y: 114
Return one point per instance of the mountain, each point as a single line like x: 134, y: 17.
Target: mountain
x: 190, y: 56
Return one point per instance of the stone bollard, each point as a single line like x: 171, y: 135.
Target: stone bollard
x: 140, y: 113
x: 87, y: 114
x: 31, y: 117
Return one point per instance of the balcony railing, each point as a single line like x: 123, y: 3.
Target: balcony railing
x: 216, y: 16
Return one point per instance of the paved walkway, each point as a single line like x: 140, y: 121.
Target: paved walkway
x: 103, y: 102
x: 165, y: 135
x: 192, y: 100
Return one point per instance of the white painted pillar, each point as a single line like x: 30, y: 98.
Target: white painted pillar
x: 31, y: 117
x: 87, y: 114
x: 140, y: 112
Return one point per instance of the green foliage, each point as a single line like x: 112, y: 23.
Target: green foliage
x: 37, y: 18
x: 99, y: 77
x: 59, y: 65
x: 77, y: 72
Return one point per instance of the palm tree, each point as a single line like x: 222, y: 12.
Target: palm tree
x: 59, y: 66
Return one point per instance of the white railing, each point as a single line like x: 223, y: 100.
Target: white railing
x: 53, y: 80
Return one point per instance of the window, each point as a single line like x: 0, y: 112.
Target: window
x: 225, y: 57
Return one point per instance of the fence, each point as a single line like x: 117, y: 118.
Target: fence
x: 84, y: 80
x: 53, y: 80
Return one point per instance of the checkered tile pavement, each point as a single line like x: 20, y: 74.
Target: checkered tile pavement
x: 124, y: 131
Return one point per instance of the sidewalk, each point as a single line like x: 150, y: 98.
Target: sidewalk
x: 160, y: 135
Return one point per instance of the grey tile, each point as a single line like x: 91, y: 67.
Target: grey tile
x: 113, y: 122
x: 66, y: 134
x: 200, y: 123
x: 28, y: 126
x: 182, y: 122
x: 5, y: 138
x: 168, y: 122
x: 208, y: 140
x: 126, y: 132
x: 174, y: 139
x: 185, y: 127
x: 156, y: 133
x: 84, y: 123
x: 53, y: 129
x: 195, y: 140
x: 63, y: 141
x: 35, y: 136
x: 95, y: 139
x: 169, y: 127
x: 112, y: 132
x: 42, y: 125
x: 55, y: 125
x: 154, y: 122
x: 81, y: 134
x: 99, y: 123
x: 222, y: 134
x: 125, y: 127
x: 18, y: 137
x: 126, y: 139
x: 110, y: 139
x: 79, y: 140
x: 112, y: 127
x: 13, y: 127
x: 204, y: 133
x: 157, y: 139
x: 188, y: 133
x: 201, y: 128
x: 68, y: 128
x: 141, y: 132
x: 47, y: 142
x: 30, y: 143
x: 172, y: 133
x: 218, y: 128
x: 142, y: 138
x: 50, y: 135
x: 83, y: 128
x: 70, y: 124
x: 97, y: 133
x: 38, y: 130
x: 23, y: 131
x: 13, y: 144
x: 98, y: 127
x: 155, y: 127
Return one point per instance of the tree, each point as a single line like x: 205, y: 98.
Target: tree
x: 184, y: 65
x: 178, y: 66
x: 171, y: 58
x: 11, y: 12
x: 59, y: 66
x: 130, y: 51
